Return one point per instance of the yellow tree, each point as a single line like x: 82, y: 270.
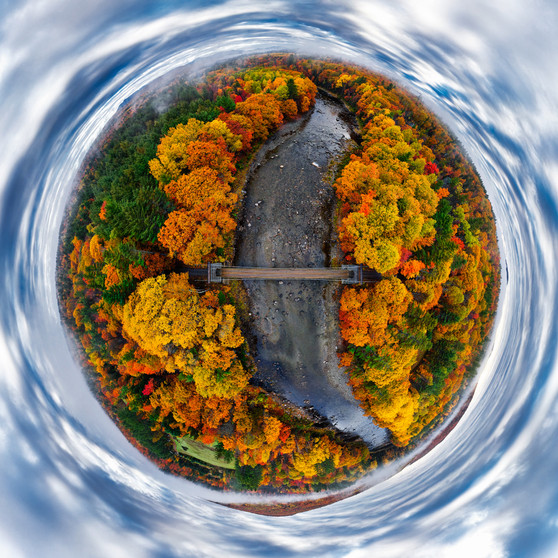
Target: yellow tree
x: 189, y: 333
x: 314, y: 452
x: 171, y: 151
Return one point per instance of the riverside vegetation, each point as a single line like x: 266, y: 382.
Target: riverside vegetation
x: 168, y: 355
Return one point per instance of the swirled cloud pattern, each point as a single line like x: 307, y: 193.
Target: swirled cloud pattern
x: 71, y: 485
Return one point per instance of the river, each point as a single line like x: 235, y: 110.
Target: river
x: 288, y: 222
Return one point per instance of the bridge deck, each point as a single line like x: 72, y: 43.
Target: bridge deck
x: 286, y: 273
x: 217, y: 273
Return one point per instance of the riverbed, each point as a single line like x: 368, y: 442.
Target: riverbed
x: 287, y: 221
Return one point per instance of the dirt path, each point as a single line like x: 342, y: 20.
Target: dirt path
x: 287, y: 222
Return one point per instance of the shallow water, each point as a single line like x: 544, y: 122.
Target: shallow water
x: 71, y: 485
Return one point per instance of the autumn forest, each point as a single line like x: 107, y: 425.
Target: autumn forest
x: 169, y: 356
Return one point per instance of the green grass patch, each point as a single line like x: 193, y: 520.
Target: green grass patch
x: 206, y: 453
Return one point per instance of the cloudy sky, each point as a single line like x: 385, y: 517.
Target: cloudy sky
x: 70, y: 483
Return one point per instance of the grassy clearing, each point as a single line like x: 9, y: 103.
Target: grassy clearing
x: 203, y: 452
